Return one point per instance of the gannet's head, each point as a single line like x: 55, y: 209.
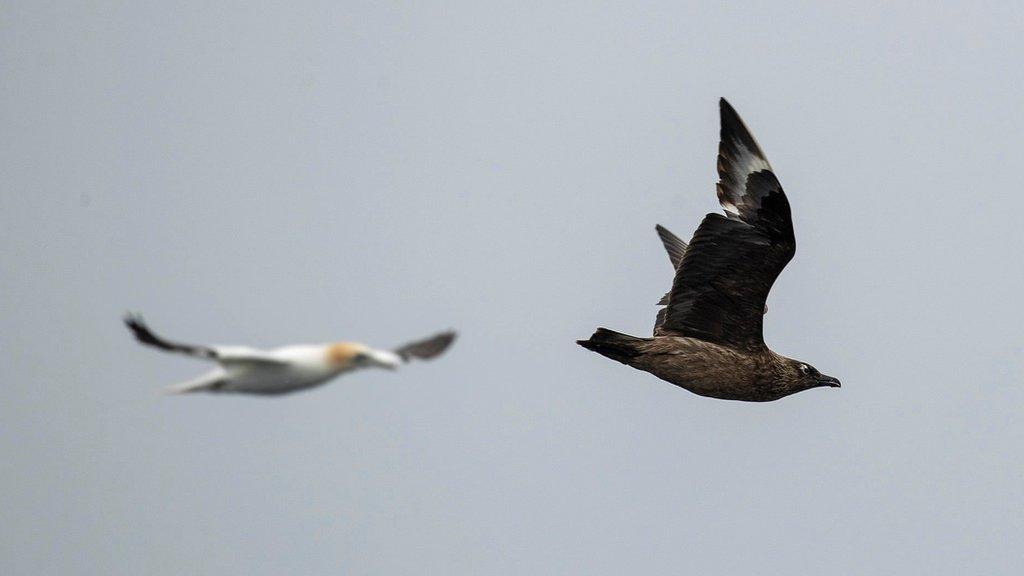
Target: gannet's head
x: 349, y: 355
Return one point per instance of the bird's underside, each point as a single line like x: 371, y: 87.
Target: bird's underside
x: 708, y: 339
x: 708, y: 369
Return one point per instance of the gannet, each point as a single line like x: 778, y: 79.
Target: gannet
x: 287, y: 369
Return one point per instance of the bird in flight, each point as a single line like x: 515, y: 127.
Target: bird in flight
x: 287, y: 369
x: 708, y: 339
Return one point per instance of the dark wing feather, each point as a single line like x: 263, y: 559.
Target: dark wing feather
x: 746, y: 180
x: 146, y: 336
x: 659, y: 319
x: 428, y: 348
x: 720, y: 288
x: 674, y: 245
x: 676, y: 248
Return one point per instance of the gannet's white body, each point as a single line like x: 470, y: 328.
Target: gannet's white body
x: 285, y: 369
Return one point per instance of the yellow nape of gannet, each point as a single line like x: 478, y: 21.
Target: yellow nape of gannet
x: 286, y: 369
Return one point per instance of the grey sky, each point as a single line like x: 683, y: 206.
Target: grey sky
x: 328, y: 171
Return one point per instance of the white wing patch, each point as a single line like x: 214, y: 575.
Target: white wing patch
x: 748, y: 161
x: 742, y: 163
x: 730, y: 208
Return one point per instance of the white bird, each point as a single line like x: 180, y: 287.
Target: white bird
x: 286, y: 369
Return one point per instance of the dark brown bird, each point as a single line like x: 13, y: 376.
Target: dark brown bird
x: 708, y: 339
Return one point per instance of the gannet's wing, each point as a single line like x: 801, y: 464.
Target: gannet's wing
x: 427, y: 348
x: 222, y: 354
x: 207, y: 382
x: 244, y: 355
x: 146, y: 336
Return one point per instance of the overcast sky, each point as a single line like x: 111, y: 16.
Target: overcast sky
x: 311, y: 172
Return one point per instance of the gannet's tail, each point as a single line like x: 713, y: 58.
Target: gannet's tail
x: 206, y: 383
